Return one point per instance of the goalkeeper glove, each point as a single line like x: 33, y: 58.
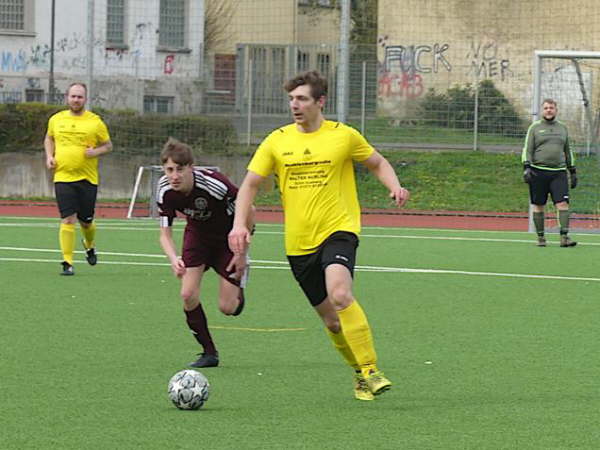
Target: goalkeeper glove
x: 573, y: 174
x: 528, y: 173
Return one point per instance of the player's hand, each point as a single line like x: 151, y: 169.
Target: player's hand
x: 573, y: 174
x: 237, y: 266
x: 239, y: 240
x: 90, y: 152
x: 178, y: 267
x: 400, y: 196
x: 50, y: 162
x: 528, y: 175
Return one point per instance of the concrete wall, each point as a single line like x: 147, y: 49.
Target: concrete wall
x: 24, y: 175
x: 439, y: 43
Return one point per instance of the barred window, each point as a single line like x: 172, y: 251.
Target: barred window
x: 172, y: 23
x: 323, y: 64
x: 115, y: 22
x: 12, y: 15
x: 158, y: 104
x: 302, y: 61
x: 35, y: 95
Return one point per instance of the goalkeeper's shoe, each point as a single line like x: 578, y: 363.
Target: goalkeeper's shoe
x: 67, y: 269
x: 361, y: 389
x: 565, y: 241
x: 205, y: 360
x: 90, y: 254
x: 541, y: 241
x: 377, y: 382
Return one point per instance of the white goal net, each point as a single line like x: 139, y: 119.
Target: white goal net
x: 143, y: 199
x: 572, y: 79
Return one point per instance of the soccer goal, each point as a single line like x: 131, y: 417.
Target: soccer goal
x: 143, y: 199
x: 570, y: 78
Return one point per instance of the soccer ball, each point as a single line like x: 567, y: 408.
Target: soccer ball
x: 188, y: 389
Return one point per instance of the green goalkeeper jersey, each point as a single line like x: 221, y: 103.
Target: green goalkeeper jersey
x: 547, y: 146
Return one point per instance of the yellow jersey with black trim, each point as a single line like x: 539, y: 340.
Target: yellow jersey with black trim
x: 72, y: 136
x: 315, y: 175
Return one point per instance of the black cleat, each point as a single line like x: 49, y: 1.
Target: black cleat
x: 241, y: 304
x: 67, y: 269
x: 90, y: 255
x: 565, y: 241
x: 205, y: 360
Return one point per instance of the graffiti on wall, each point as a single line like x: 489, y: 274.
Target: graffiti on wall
x: 403, y: 66
x: 70, y: 52
x: 13, y: 61
x: 485, y: 62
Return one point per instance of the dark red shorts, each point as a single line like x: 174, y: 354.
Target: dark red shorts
x: 211, y: 252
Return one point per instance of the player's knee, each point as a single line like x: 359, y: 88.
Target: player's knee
x: 341, y: 297
x: 227, y: 309
x: 189, y: 296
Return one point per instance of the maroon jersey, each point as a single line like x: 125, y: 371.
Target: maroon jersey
x: 209, y: 208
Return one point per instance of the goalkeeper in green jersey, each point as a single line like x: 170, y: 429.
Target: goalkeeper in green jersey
x: 546, y: 159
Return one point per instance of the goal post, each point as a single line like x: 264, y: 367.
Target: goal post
x: 570, y: 78
x: 143, y: 197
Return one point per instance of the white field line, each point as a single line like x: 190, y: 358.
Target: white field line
x: 154, y: 228
x: 282, y: 265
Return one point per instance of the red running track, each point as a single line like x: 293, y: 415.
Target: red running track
x: 385, y: 218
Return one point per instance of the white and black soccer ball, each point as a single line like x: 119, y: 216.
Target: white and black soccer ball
x: 188, y: 389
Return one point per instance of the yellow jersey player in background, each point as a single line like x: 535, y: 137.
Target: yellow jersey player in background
x: 74, y: 140
x: 312, y: 160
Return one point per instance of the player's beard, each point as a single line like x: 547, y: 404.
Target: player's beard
x: 76, y: 109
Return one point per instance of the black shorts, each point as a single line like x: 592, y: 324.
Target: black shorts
x: 544, y: 182
x: 201, y: 250
x: 309, y: 270
x: 76, y: 197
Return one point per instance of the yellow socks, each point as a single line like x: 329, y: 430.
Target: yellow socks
x: 339, y: 342
x: 359, y: 339
x: 89, y: 235
x: 66, y: 237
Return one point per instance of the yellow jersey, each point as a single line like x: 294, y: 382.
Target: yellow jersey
x: 72, y: 136
x: 315, y: 175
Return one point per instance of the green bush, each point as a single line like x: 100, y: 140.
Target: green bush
x: 455, y: 109
x: 24, y: 126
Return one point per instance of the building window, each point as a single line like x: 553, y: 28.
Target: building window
x: 34, y: 95
x: 323, y: 64
x: 16, y: 16
x: 115, y: 23
x: 172, y: 24
x: 158, y: 104
x: 302, y: 61
x: 327, y: 3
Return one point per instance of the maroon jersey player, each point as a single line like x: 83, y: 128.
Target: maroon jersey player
x: 207, y: 200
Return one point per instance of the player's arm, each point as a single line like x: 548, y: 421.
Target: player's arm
x: 239, y: 236
x: 49, y: 147
x: 527, y: 155
x: 102, y: 149
x: 168, y: 246
x: 383, y: 170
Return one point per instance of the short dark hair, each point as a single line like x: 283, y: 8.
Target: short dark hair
x: 77, y: 83
x: 550, y: 101
x: 180, y: 153
x: 317, y: 83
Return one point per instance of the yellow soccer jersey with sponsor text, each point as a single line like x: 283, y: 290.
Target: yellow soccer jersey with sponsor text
x: 72, y: 136
x: 315, y: 174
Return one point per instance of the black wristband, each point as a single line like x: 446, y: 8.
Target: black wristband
x: 572, y: 170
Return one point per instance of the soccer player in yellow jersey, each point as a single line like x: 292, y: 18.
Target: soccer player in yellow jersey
x: 312, y: 160
x: 74, y: 140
